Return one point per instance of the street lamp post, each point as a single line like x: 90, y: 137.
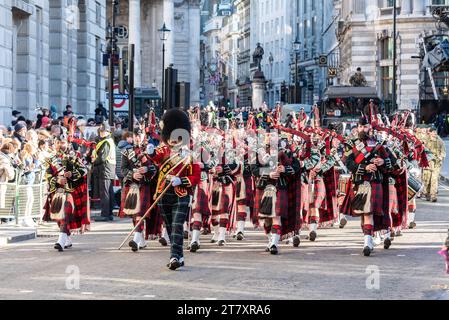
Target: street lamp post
x: 393, y: 106
x: 296, y: 48
x: 271, y: 60
x: 112, y: 49
x: 163, y: 34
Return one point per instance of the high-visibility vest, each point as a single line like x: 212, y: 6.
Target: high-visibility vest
x: 111, y: 158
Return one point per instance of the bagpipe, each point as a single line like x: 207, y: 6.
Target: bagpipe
x: 150, y: 125
x: 71, y: 126
x: 405, y: 137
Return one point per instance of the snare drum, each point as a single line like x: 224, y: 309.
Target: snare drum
x: 343, y: 182
x: 414, y: 187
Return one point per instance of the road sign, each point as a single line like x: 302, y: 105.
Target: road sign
x: 121, y: 96
x: 322, y: 61
x: 121, y: 101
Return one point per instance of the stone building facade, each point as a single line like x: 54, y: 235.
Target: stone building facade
x: 142, y: 19
x: 365, y: 35
x: 50, y: 54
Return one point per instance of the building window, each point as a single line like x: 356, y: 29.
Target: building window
x: 98, y: 13
x: 386, y: 49
x: 388, y: 3
x: 440, y: 2
x: 387, y: 82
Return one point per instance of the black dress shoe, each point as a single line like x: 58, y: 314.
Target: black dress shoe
x: 213, y: 241
x: 387, y: 244
x: 58, y: 247
x: 134, y: 246
x: 174, y: 264
x: 163, y: 242
x: 240, y: 236
x: 367, y: 251
x: 274, y: 250
x: 434, y: 200
x: 68, y: 247
x: 312, y: 236
x: 221, y: 243
x: 296, y: 241
x: 186, y: 235
x: 343, y: 223
x: 412, y: 225
x: 267, y: 249
x: 194, y: 247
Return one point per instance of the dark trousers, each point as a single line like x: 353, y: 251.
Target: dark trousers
x: 174, y: 210
x: 106, y: 197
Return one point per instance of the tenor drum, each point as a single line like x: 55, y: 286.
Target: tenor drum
x: 414, y: 187
x: 343, y: 182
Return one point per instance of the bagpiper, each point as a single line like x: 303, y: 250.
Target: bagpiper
x: 138, y: 173
x: 368, y: 160
x: 224, y: 176
x: 201, y: 209
x: 66, y: 203
x: 178, y: 176
x: 274, y: 175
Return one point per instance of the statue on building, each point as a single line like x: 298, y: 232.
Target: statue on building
x: 358, y: 79
x: 258, y: 56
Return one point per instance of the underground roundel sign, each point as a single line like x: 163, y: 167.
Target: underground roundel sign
x: 119, y: 99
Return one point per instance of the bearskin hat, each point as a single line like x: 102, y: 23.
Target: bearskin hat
x: 363, y: 121
x: 224, y: 124
x: 172, y: 120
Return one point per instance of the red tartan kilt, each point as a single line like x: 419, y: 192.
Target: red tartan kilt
x: 377, y: 200
x: 146, y: 199
x: 319, y: 194
x: 227, y: 196
x: 75, y: 213
x: 202, y: 203
x: 281, y: 206
x: 249, y: 185
x: 305, y: 200
x: 393, y: 207
x: 80, y: 199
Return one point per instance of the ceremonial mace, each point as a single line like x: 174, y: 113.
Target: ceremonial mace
x: 155, y: 202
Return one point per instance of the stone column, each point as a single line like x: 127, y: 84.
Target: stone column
x: 135, y: 38
x: 406, y: 7
x: 258, y: 84
x: 169, y: 19
x: 371, y: 10
x: 419, y: 7
x: 194, y: 52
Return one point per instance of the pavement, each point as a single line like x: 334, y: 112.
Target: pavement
x: 445, y: 168
x: 330, y: 268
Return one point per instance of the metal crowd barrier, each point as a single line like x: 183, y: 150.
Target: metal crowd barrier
x: 16, y: 196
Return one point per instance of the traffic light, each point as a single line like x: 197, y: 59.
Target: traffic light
x: 121, y: 76
x: 284, y: 92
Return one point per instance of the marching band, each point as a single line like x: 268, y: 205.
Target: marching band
x: 291, y: 176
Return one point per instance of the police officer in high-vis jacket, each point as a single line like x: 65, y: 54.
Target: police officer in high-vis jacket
x: 104, y: 164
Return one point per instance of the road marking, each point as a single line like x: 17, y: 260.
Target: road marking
x: 401, y: 255
x: 212, y: 299
x: 26, y: 291
x: 354, y: 254
x: 87, y: 293
x: 310, y: 253
x: 149, y: 296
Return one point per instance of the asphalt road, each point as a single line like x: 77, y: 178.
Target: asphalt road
x: 330, y: 268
